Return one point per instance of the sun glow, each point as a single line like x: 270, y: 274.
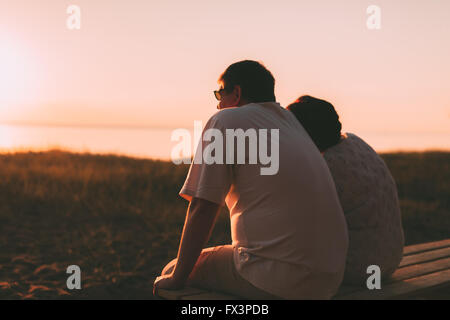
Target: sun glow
x: 13, y: 71
x: 18, y: 78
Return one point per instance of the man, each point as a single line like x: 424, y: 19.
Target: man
x: 289, y: 235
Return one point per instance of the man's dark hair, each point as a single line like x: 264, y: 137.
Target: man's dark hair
x: 256, y: 82
x: 320, y: 120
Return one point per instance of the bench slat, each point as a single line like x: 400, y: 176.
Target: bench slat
x: 409, y: 272
x: 425, y: 257
x: 418, y: 248
x: 398, y: 290
x: 417, y: 270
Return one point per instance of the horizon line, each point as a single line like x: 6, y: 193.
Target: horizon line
x: 88, y: 125
x: 153, y: 126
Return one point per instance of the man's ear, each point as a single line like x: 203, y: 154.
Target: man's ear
x: 237, y: 92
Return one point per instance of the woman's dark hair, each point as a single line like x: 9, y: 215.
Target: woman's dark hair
x: 320, y: 120
x: 256, y: 82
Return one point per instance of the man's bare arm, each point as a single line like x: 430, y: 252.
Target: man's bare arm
x: 200, y: 220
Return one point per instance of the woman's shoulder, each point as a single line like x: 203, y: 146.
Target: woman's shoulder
x: 352, y: 153
x: 353, y: 137
x: 353, y: 141
x: 345, y: 147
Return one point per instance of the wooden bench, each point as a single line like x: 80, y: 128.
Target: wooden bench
x: 424, y: 267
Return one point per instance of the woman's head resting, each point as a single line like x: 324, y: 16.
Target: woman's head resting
x: 320, y: 120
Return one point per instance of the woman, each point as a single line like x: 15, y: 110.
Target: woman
x: 366, y: 190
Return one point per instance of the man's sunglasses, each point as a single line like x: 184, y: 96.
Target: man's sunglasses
x: 219, y: 94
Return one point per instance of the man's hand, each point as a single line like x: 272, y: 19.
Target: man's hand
x: 198, y: 226
x: 166, y: 282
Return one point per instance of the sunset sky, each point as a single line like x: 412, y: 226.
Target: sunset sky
x: 156, y: 63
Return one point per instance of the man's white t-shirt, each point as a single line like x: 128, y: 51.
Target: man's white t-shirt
x: 288, y: 230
